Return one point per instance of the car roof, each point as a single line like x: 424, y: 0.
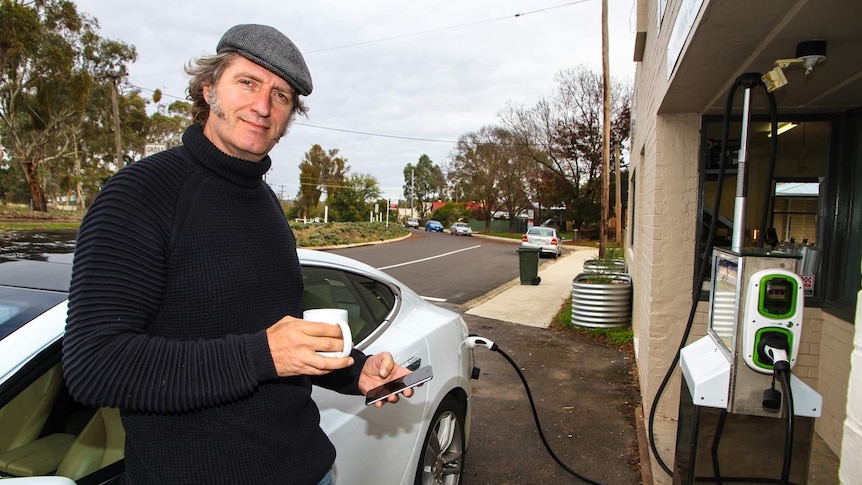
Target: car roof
x: 53, y: 275
x: 56, y: 273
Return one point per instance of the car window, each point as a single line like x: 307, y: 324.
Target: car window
x: 368, y: 302
x: 19, y: 306
x: 43, y: 431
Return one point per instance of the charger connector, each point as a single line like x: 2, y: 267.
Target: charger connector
x: 777, y: 354
x: 474, y: 341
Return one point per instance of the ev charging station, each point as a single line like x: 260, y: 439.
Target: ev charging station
x: 743, y: 416
x: 731, y: 422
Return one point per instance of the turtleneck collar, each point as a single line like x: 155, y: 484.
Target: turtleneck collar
x: 239, y: 171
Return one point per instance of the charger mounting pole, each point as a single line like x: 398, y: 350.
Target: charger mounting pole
x: 747, y: 81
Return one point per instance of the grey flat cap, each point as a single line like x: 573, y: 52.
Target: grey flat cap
x: 271, y: 49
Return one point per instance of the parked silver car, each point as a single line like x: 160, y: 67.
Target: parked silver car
x: 46, y: 434
x: 544, y: 238
x: 461, y: 229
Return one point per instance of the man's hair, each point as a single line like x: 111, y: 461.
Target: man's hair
x: 206, y: 71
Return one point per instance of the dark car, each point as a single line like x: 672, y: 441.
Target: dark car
x: 433, y: 225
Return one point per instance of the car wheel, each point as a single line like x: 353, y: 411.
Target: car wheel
x: 442, y: 458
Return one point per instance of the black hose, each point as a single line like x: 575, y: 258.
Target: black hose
x: 536, y: 418
x: 787, y: 399
x: 770, y: 174
x: 701, y: 274
x: 716, y: 440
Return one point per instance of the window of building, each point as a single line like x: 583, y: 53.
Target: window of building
x: 811, y: 210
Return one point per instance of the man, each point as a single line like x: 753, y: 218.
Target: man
x: 186, y: 293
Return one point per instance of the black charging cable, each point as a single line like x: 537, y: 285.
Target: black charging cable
x: 475, y: 341
x: 701, y: 275
x: 777, y: 348
x: 774, y: 348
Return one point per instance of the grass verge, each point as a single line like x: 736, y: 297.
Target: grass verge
x: 617, y: 336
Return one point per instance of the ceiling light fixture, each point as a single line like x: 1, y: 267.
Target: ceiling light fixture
x: 783, y: 128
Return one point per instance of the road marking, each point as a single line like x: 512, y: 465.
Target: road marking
x: 429, y: 258
x: 431, y: 298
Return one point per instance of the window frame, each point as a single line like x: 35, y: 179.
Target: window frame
x: 839, y: 208
x: 365, y: 338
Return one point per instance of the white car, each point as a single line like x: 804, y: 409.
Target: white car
x: 461, y: 229
x: 44, y: 433
x: 546, y: 239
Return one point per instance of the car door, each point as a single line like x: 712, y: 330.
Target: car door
x: 363, y: 435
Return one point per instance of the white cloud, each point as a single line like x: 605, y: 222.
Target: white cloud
x: 437, y: 84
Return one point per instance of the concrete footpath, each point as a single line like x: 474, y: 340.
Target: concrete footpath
x: 535, y: 305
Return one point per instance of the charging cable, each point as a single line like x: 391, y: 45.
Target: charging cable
x: 475, y: 341
x: 776, y: 349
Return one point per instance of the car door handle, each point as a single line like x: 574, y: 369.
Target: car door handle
x: 412, y: 363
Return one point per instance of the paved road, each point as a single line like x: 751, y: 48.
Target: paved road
x: 442, y: 267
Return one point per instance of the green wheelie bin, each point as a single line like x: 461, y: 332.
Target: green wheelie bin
x: 528, y: 264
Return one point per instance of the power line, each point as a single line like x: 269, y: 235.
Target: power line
x: 440, y: 29
x: 374, y: 134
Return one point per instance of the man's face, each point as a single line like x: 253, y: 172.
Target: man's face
x: 250, y: 108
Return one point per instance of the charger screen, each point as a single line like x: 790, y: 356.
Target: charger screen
x: 777, y: 296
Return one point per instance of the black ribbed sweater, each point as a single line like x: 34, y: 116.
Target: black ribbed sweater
x: 182, y: 262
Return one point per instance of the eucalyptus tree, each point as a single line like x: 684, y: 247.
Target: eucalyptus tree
x: 50, y: 59
x: 352, y: 201
x: 320, y: 171
x: 423, y: 183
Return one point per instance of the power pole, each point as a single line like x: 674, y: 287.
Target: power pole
x: 618, y: 208
x: 115, y: 75
x: 606, y: 133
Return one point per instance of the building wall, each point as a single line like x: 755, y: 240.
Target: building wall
x: 833, y: 377
x: 851, y: 447
x: 660, y: 252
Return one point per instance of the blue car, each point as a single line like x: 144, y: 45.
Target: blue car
x: 433, y: 225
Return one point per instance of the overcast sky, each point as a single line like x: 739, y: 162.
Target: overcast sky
x: 393, y: 79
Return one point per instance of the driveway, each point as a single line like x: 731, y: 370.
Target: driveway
x: 586, y: 398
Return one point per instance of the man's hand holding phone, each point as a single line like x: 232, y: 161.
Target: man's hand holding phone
x: 403, y: 385
x: 379, y: 370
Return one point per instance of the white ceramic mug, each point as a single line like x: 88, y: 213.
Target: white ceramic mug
x: 332, y: 316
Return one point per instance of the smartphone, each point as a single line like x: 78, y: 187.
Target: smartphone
x: 413, y: 379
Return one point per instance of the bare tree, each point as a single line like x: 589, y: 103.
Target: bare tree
x: 564, y: 133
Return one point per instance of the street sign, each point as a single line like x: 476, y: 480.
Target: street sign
x: 153, y: 148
